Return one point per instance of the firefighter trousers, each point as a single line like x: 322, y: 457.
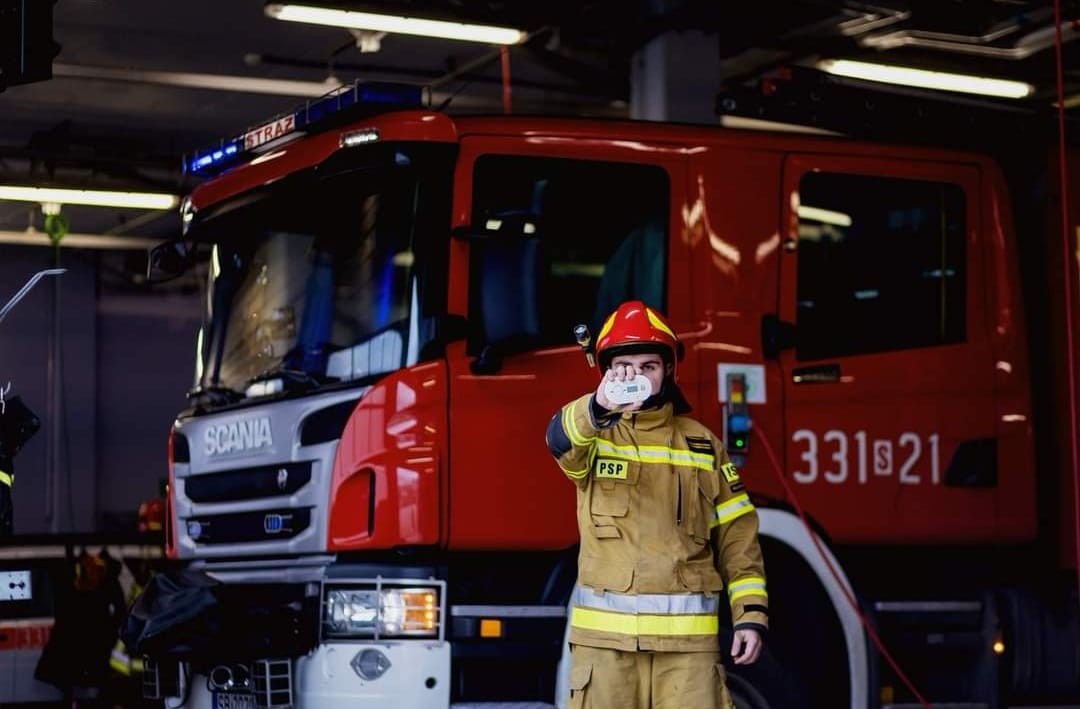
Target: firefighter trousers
x: 614, y: 679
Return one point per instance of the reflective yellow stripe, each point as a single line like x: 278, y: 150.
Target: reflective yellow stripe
x: 606, y: 327
x: 571, y: 427
x: 732, y: 509
x: 575, y: 474
x: 119, y: 661
x: 748, y: 586
x: 698, y: 459
x: 656, y: 454
x: 630, y: 624
x: 6, y: 479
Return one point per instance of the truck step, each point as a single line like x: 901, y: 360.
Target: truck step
x: 503, y: 705
x: 945, y: 645
x: 939, y: 705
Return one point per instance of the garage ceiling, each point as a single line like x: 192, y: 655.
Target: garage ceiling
x: 115, y: 114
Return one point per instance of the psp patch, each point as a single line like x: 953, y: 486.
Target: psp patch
x: 730, y: 473
x: 611, y: 469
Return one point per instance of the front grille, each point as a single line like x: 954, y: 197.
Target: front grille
x: 261, y: 526
x: 273, y: 683
x: 248, y: 483
x: 161, y: 680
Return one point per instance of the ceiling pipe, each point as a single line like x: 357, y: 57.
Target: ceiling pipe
x: 871, y: 18
x: 307, y: 89
x: 422, y: 75
x: 100, y: 242
x: 213, y: 82
x: 1028, y: 45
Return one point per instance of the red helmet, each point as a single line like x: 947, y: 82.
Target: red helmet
x: 635, y: 327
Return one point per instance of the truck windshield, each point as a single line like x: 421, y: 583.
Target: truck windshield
x: 332, y: 276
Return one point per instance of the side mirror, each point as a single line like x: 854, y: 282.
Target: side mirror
x: 507, y: 275
x: 168, y: 260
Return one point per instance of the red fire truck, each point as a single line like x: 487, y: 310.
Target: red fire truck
x: 390, y: 298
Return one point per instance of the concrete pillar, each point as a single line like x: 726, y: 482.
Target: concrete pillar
x: 675, y: 78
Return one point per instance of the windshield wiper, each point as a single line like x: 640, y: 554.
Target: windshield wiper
x: 214, y: 395
x: 293, y: 380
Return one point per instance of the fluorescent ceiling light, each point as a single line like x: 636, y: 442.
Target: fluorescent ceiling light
x: 394, y: 24
x: 825, y: 216
x: 92, y: 198
x: 906, y: 76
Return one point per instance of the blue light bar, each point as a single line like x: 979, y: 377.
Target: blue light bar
x: 355, y: 101
x: 203, y: 161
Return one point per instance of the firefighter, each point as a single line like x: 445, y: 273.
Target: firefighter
x: 17, y: 425
x: 7, y: 508
x: 665, y: 527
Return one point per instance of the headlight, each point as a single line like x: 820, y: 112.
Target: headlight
x: 352, y: 612
x: 400, y: 612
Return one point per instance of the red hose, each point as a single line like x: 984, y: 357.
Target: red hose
x: 835, y: 574
x: 1066, y: 263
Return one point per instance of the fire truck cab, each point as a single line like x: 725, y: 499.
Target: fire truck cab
x: 390, y: 300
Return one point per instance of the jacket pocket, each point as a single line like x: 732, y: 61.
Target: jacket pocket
x: 601, y: 575
x: 611, y: 489
x: 700, y: 576
x: 580, y: 676
x: 724, y: 697
x: 697, y: 503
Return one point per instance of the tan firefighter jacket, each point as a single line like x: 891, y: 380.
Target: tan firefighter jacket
x: 665, y: 526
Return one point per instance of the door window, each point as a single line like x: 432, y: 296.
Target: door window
x: 603, y: 226
x: 880, y: 264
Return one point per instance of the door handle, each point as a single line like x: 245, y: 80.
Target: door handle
x: 818, y: 374
x: 776, y: 335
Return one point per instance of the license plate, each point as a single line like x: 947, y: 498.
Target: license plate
x: 232, y: 700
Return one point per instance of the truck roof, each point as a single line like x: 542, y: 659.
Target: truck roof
x: 429, y: 126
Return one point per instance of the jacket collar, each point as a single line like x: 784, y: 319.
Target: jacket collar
x: 650, y: 419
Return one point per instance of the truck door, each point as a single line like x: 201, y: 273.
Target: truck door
x: 602, y: 212
x: 888, y: 378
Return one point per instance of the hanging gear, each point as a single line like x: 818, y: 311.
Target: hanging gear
x: 17, y: 425
x: 88, y: 614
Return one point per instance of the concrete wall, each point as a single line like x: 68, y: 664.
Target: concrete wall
x: 126, y: 364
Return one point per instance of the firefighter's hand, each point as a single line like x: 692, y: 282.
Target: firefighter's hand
x: 746, y: 646
x: 620, y: 372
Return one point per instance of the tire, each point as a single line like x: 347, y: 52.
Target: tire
x: 744, y: 695
x: 764, y: 684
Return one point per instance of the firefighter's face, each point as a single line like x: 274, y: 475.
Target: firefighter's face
x: 649, y: 365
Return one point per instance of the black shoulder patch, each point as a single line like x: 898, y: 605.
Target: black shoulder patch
x: 700, y: 445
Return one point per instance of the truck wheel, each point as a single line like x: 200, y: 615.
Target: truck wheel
x: 744, y: 695
x: 765, y: 685
x: 1042, y: 645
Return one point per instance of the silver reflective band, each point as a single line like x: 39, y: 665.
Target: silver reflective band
x: 646, y: 603
x: 732, y: 509
x: 657, y: 454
